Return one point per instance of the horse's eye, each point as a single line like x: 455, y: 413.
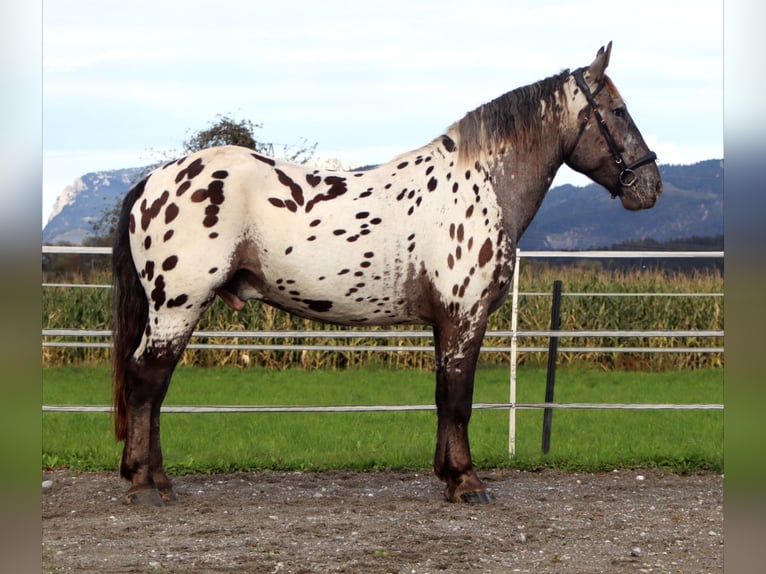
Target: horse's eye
x: 620, y: 112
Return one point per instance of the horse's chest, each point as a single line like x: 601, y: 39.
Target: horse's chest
x: 470, y: 254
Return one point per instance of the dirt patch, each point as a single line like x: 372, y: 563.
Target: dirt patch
x: 622, y: 521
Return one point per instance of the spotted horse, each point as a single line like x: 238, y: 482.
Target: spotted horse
x: 428, y: 238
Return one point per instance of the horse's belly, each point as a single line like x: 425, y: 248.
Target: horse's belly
x: 343, y: 313
x: 329, y: 290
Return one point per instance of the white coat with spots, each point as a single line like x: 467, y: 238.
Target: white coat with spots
x: 427, y: 238
x: 356, y: 248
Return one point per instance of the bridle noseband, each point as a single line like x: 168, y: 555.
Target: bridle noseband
x: 627, y: 176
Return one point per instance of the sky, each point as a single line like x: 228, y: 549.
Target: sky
x: 124, y: 82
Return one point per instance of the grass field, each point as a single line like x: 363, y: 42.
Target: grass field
x: 681, y: 441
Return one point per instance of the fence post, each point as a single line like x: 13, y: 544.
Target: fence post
x: 550, y: 379
x: 514, y: 342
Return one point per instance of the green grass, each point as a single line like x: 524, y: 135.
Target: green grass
x: 680, y: 441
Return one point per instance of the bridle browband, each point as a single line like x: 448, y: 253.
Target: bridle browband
x: 627, y: 176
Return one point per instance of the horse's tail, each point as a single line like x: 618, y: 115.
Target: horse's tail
x: 130, y: 310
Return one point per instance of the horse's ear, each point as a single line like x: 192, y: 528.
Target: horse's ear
x: 599, y: 65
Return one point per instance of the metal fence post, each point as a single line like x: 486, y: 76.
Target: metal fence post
x: 514, y: 352
x: 550, y: 380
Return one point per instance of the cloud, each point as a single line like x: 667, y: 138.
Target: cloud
x: 377, y: 76
x: 87, y: 59
x: 683, y: 153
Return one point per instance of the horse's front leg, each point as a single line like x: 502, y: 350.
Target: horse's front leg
x: 457, y: 351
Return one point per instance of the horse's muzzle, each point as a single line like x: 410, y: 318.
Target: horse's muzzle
x: 633, y: 200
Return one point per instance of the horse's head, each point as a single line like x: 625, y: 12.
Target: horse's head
x: 608, y: 147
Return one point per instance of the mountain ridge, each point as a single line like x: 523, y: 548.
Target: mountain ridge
x: 570, y: 217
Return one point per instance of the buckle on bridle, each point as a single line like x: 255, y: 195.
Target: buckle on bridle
x: 627, y: 176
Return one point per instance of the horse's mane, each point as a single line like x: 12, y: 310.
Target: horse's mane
x: 509, y: 117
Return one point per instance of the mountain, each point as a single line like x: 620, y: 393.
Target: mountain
x: 85, y: 201
x: 570, y: 218
x: 575, y: 218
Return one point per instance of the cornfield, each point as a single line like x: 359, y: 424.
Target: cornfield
x: 84, y: 308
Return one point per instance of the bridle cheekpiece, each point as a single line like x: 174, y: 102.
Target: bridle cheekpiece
x: 627, y: 176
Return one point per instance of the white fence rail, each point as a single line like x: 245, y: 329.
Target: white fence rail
x: 513, y: 334
x: 410, y: 334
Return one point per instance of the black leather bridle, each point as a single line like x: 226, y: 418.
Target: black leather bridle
x: 627, y: 176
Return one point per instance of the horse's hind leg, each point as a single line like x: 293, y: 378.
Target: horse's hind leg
x: 147, y: 380
x: 457, y: 351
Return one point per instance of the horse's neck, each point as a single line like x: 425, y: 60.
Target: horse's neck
x: 523, y: 166
x: 521, y: 178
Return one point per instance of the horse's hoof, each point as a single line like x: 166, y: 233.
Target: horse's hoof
x: 476, y: 497
x: 144, y: 497
x: 168, y: 494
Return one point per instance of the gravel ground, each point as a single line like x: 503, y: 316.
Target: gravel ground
x: 621, y: 521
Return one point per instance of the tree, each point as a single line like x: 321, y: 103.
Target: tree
x: 225, y: 130
x: 228, y: 131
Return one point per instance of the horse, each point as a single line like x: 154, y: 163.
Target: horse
x: 428, y: 238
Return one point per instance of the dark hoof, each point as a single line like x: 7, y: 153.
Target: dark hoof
x: 168, y: 494
x: 477, y: 497
x: 144, y: 497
